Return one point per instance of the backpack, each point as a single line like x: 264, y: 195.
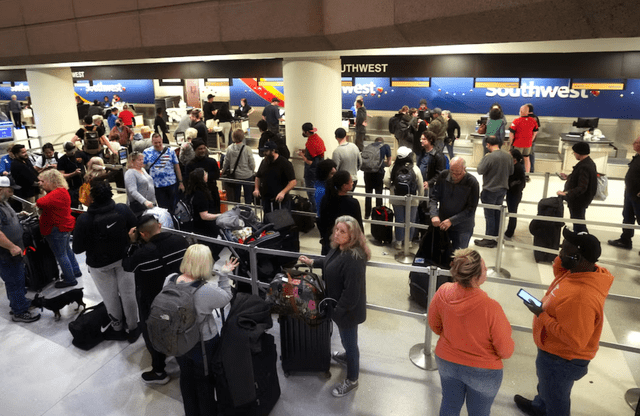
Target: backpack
x: 184, y: 212
x: 91, y: 139
x: 402, y: 129
x: 371, y: 160
x: 109, y: 231
x: 393, y: 124
x: 173, y: 321
x: 446, y: 162
x: 405, y: 181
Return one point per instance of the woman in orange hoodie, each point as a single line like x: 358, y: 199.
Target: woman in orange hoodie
x: 475, y: 336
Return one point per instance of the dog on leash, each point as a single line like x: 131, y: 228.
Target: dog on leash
x: 56, y: 303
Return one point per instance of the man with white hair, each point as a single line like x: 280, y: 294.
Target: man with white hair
x: 523, y: 132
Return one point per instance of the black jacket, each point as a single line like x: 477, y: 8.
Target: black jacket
x: 582, y: 184
x: 632, y: 178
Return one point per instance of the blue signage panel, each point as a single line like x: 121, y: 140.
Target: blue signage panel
x: 139, y: 91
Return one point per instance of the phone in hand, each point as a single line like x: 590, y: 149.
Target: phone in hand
x: 526, y: 296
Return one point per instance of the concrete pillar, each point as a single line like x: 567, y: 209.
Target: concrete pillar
x: 54, y: 106
x: 312, y: 90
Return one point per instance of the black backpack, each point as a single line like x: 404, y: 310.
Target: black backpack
x: 405, y: 181
x: 91, y: 139
x: 402, y: 130
x: 109, y: 231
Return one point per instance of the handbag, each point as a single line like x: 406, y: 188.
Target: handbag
x: 298, y: 293
x: 231, y: 174
x: 482, y: 129
x: 280, y: 218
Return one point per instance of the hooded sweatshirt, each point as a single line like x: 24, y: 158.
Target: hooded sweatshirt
x: 571, y: 324
x: 473, y: 328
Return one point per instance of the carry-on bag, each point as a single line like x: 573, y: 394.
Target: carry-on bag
x: 297, y: 293
x: 382, y: 233
x: 547, y: 233
x: 41, y: 267
x: 305, y: 223
x: 435, y: 250
x: 305, y: 348
x: 89, y: 327
x: 281, y: 218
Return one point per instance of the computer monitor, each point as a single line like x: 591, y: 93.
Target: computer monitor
x: 6, y: 131
x: 587, y: 123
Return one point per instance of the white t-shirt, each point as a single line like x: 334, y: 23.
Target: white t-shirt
x: 43, y: 163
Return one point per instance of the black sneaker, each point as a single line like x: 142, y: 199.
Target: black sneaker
x: 26, y: 317
x: 113, y: 335
x: 134, y: 335
x: 526, y: 406
x: 63, y: 283
x: 151, y: 377
x: 486, y: 243
x: 620, y: 243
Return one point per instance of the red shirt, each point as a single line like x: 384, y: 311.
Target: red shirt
x: 522, y: 129
x: 56, y: 211
x: 127, y: 117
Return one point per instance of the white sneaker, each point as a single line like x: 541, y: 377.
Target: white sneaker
x: 344, y: 388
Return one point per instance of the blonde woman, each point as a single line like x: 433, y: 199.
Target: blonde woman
x: 197, y: 390
x: 475, y: 336
x: 141, y: 193
x: 56, y: 224
x: 344, y: 270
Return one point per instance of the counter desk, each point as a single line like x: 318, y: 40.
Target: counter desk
x: 599, y: 152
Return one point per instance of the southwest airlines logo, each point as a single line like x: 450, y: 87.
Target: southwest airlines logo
x: 369, y: 88
x: 100, y: 87
x: 20, y: 88
x: 537, y: 91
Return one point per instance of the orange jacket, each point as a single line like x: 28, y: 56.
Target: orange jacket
x: 473, y: 328
x: 571, y: 323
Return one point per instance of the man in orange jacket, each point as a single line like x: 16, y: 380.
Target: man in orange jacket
x: 568, y: 325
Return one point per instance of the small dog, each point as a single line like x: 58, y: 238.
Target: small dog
x: 59, y: 302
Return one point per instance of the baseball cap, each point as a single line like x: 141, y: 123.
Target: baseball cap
x: 210, y: 96
x: 308, y: 127
x: 270, y: 145
x: 403, y: 152
x: 341, y: 133
x: 6, y: 182
x: 588, y: 245
x: 581, y: 148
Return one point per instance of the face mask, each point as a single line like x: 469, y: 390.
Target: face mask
x: 118, y: 124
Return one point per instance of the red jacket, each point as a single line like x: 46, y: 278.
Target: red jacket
x: 56, y: 211
x: 522, y: 129
x: 571, y: 323
x: 473, y: 328
x: 127, y: 117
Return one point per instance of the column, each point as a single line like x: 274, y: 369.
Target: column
x: 312, y: 89
x: 54, y: 106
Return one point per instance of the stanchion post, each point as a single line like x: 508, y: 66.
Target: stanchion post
x: 545, y: 190
x: 405, y: 256
x: 253, y: 258
x: 420, y: 354
x: 498, y: 271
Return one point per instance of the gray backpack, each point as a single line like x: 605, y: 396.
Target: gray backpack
x: 172, y: 324
x: 371, y: 160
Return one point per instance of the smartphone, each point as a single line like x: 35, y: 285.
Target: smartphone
x: 559, y: 175
x: 122, y: 155
x: 526, y: 296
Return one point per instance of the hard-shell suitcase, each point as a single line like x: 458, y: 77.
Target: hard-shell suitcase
x: 435, y: 250
x: 41, y: 267
x: 382, y: 233
x: 305, y: 348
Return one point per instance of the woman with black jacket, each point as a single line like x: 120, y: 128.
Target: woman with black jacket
x: 225, y: 118
x: 517, y: 182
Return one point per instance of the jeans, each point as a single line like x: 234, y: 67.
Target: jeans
x: 399, y: 211
x: 513, y: 200
x: 309, y: 183
x: 555, y: 381
x: 236, y: 190
x: 372, y: 182
x: 197, y: 389
x: 630, y: 214
x: 578, y: 213
x: 12, y: 273
x: 166, y: 197
x: 349, y: 338
x: 59, y: 243
x: 479, y: 386
x: 492, y: 216
x: 450, y: 150
x: 460, y: 236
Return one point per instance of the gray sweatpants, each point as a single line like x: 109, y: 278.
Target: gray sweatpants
x: 115, y: 284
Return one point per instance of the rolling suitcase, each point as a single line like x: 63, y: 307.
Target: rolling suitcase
x: 382, y: 233
x: 547, y: 233
x: 435, y: 250
x: 41, y: 267
x: 305, y: 348
x: 305, y: 223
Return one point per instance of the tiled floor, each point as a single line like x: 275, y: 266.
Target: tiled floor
x: 43, y: 374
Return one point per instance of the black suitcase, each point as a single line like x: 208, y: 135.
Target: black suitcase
x: 41, y: 267
x: 435, y: 250
x: 305, y: 348
x: 382, y: 233
x: 266, y: 381
x: 305, y: 223
x: 547, y: 233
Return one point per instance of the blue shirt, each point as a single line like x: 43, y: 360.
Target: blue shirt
x: 5, y: 164
x: 112, y: 121
x: 163, y: 171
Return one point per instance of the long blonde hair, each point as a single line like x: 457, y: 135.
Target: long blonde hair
x: 92, y: 171
x: 357, y: 244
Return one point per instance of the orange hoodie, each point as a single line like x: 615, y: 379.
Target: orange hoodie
x: 571, y: 323
x: 473, y: 328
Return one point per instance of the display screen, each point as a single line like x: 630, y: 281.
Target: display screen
x: 6, y: 130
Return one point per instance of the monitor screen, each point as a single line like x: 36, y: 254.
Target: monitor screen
x: 587, y: 123
x: 6, y: 131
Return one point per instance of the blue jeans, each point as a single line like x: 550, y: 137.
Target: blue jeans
x: 166, y: 197
x: 450, y: 150
x: 308, y: 183
x: 197, y: 389
x: 555, y: 381
x: 12, y: 272
x: 479, y: 386
x: 349, y: 337
x: 492, y: 216
x: 399, y: 211
x: 59, y: 243
x: 630, y: 214
x: 460, y: 236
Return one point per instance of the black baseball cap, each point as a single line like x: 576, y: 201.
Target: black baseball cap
x: 588, y: 245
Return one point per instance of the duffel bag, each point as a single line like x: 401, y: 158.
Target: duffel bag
x: 89, y: 327
x: 298, y: 293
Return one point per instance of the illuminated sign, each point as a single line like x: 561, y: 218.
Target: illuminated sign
x: 365, y: 68
x: 271, y: 83
x: 599, y: 86
x: 494, y: 84
x: 537, y: 91
x: 414, y: 84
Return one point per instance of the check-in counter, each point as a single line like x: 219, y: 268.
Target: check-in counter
x: 599, y: 152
